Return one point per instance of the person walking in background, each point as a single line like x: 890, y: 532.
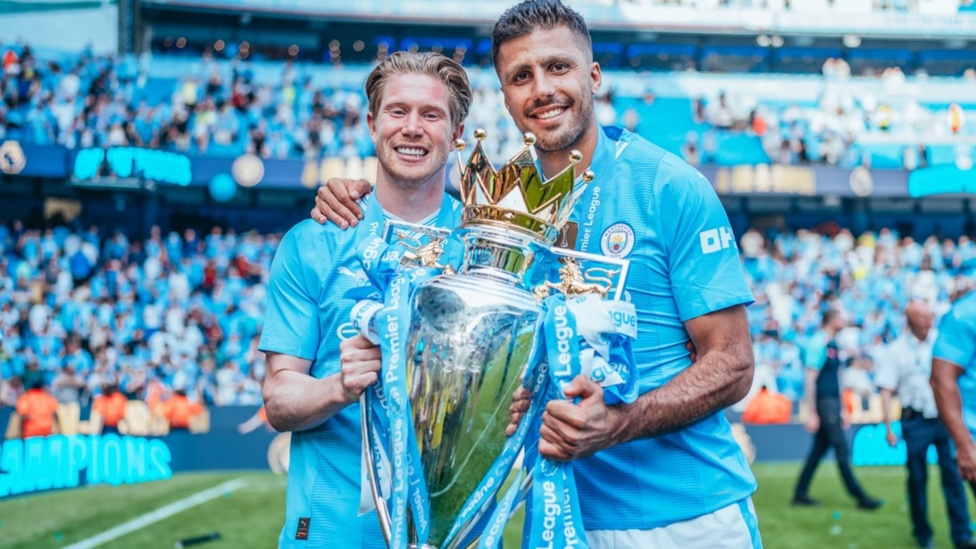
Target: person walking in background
x: 38, y: 411
x: 825, y: 417
x: 905, y: 371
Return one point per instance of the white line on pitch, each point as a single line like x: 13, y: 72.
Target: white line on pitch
x: 159, y: 514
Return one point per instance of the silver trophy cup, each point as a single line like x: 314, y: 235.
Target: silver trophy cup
x: 470, y: 337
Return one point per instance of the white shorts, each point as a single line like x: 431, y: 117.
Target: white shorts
x: 732, y: 527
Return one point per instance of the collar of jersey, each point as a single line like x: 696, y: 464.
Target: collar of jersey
x: 605, y: 152
x: 373, y: 212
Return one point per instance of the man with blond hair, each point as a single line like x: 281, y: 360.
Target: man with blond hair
x: 417, y: 105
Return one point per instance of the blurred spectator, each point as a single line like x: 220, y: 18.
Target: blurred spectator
x: 690, y: 150
x: 721, y: 114
x: 10, y: 391
x: 109, y: 408
x: 698, y: 110
x: 605, y: 112
x: 179, y: 411
x: 631, y: 119
x: 38, y: 412
x: 757, y: 121
x: 68, y: 386
x: 767, y: 408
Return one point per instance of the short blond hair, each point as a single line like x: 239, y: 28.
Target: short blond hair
x: 431, y: 64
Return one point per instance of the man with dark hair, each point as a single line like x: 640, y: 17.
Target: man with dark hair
x: 905, y: 371
x: 825, y: 416
x: 316, y: 371
x: 664, y: 471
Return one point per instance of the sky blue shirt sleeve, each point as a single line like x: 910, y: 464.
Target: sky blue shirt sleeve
x: 706, y: 273
x: 291, y: 322
x: 957, y: 339
x: 815, y: 352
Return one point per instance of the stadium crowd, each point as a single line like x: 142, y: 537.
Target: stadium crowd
x: 225, y: 108
x: 796, y: 276
x: 82, y: 310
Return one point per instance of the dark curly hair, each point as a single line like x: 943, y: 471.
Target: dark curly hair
x: 532, y: 15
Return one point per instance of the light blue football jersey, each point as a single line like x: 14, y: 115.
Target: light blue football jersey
x: 957, y: 344
x: 308, y: 317
x: 652, y: 208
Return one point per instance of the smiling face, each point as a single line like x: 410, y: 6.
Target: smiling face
x: 549, y: 79
x: 413, y: 131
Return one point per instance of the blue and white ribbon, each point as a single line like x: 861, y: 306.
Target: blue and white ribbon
x: 388, y: 399
x: 606, y: 329
x: 583, y: 335
x: 587, y: 335
x: 555, y: 507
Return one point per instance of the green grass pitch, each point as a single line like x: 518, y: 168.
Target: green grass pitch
x: 251, y: 516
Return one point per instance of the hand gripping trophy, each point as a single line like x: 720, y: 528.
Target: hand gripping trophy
x: 457, y: 345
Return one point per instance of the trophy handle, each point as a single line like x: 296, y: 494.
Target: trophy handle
x: 418, y: 253
x: 381, y: 510
x: 586, y: 273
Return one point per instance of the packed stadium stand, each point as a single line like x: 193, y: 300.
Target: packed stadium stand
x: 81, y: 310
x: 205, y: 104
x: 158, y: 285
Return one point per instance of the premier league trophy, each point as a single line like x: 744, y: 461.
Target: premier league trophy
x: 469, y: 339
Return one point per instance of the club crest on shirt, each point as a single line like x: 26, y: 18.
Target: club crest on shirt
x: 617, y: 241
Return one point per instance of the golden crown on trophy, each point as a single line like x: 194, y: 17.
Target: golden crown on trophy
x: 516, y: 196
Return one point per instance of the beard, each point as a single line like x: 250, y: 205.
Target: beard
x: 569, y: 135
